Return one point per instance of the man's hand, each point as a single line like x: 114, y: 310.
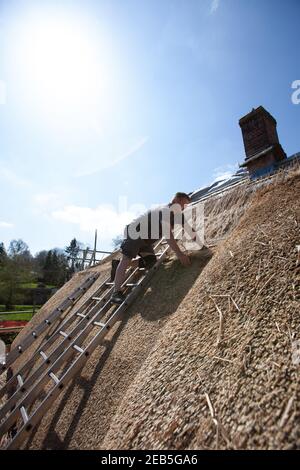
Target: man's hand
x: 184, y: 259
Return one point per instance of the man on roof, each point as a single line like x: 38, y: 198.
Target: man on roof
x: 140, y: 236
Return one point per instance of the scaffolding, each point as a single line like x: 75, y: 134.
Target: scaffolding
x: 88, y: 257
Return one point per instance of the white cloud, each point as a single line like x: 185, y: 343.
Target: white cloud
x: 11, y: 177
x: 223, y: 172
x: 44, y: 203
x: 109, y: 221
x: 112, y: 162
x: 214, y: 6
x: 46, y: 199
x: 6, y: 225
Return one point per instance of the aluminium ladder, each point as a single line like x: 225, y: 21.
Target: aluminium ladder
x: 33, y: 388
x: 51, y: 320
x: 18, y: 379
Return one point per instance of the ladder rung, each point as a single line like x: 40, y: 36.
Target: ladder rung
x: 98, y: 323
x: 59, y: 357
x: 24, y: 414
x: 44, y: 356
x: 20, y: 380
x: 63, y: 333
x: 109, y: 283
x: 54, y: 377
x: 142, y: 269
x: 131, y: 285
x: 97, y: 298
x: 41, y: 327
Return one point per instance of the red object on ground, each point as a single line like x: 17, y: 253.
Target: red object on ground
x: 12, y: 323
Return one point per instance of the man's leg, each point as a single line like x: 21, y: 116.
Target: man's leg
x: 147, y: 256
x: 120, y: 272
x: 117, y: 296
x: 130, y: 249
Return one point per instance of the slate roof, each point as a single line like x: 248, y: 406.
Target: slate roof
x: 241, y: 175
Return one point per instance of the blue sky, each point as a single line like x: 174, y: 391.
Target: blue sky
x: 102, y: 100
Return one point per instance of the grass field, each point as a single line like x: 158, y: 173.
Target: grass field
x: 18, y: 315
x: 34, y: 285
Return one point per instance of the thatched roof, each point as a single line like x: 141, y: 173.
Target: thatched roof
x: 222, y: 373
x: 153, y: 382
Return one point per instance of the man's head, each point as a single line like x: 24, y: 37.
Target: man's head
x: 182, y: 199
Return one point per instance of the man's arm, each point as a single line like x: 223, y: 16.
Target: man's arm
x: 184, y: 259
x: 192, y: 233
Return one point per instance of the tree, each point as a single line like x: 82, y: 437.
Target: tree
x: 18, y: 267
x: 72, y: 253
x: 117, y: 241
x: 47, y: 269
x: 55, y: 267
x: 62, y: 267
x: 12, y: 275
x: 18, y: 248
x: 39, y: 263
x: 3, y: 254
x: 19, y: 252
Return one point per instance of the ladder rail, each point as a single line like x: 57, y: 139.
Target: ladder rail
x: 48, y: 360
x: 95, y: 313
x: 81, y: 309
x: 30, y: 338
x: 14, y: 379
x: 33, y: 393
x: 17, y: 405
x: 80, y: 361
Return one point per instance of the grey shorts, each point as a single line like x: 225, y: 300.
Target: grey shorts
x: 144, y: 249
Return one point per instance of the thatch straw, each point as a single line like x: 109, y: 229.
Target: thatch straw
x: 145, y: 388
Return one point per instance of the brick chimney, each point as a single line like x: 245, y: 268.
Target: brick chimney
x: 262, y: 146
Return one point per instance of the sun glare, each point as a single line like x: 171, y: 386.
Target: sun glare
x: 61, y: 64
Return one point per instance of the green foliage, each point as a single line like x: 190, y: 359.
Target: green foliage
x: 21, y: 273
x: 19, y: 249
x: 15, y: 269
x: 72, y: 253
x: 8, y: 338
x: 55, y: 269
x: 3, y: 254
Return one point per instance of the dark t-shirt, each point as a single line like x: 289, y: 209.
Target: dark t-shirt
x: 154, y: 224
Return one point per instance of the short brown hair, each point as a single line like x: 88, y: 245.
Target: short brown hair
x: 182, y: 196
